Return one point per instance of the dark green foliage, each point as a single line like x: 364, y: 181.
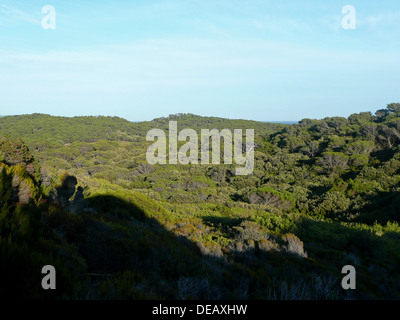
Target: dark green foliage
x: 13, y: 151
x: 271, y: 197
x: 25, y: 248
x: 323, y: 194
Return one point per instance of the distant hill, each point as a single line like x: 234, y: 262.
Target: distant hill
x: 61, y: 130
x: 188, y: 120
x: 65, y: 130
x: 282, y: 122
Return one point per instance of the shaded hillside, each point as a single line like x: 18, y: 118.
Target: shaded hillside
x: 123, y: 245
x: 323, y: 194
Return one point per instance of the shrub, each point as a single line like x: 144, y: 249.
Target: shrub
x: 294, y: 245
x: 248, y: 230
x: 270, y: 196
x: 197, y: 288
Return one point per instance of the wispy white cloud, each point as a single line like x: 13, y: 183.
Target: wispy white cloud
x: 280, y: 24
x: 196, y: 54
x: 10, y: 14
x: 332, y: 22
x: 193, y: 63
x: 382, y: 19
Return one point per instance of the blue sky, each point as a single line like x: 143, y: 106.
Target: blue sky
x: 249, y: 59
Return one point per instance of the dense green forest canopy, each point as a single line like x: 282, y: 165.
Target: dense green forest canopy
x: 78, y: 193
x: 61, y: 130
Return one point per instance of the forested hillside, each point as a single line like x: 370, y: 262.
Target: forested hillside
x: 77, y: 193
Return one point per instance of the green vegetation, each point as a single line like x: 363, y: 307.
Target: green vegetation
x: 78, y: 194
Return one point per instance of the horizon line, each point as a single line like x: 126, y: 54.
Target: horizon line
x: 137, y: 121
